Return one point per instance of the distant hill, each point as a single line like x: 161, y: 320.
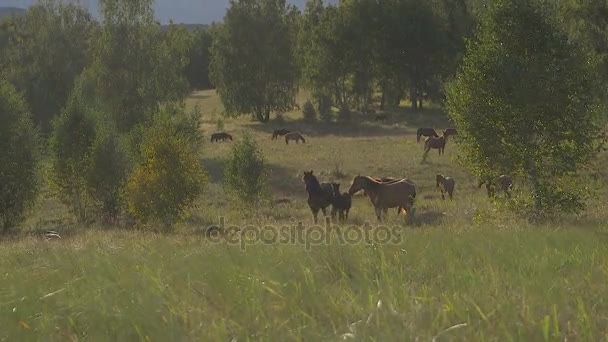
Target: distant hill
x: 8, y: 11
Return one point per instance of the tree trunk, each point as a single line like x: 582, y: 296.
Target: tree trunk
x: 263, y: 116
x: 534, y: 185
x: 382, y: 99
x: 414, y: 98
x: 420, y: 103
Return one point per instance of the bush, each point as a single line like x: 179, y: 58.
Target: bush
x: 344, y: 114
x: 309, y: 112
x: 106, y: 173
x: 70, y: 146
x: 246, y: 173
x: 18, y: 157
x: 170, y: 176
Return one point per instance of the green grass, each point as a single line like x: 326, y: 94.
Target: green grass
x: 491, y: 276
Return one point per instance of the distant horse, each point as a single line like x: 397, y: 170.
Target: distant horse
x: 220, y: 136
x: 297, y: 136
x: 427, y: 132
x: 398, y: 194
x: 446, y: 184
x: 503, y: 181
x: 435, y: 143
x: 320, y: 195
x: 450, y: 131
x: 277, y: 132
x: 380, y: 117
x: 342, y: 203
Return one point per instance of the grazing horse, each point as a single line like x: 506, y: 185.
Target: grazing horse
x: 398, y: 194
x: 450, y: 131
x: 503, y: 181
x: 435, y: 143
x: 427, y: 132
x: 341, y: 204
x: 446, y: 184
x: 220, y: 136
x: 297, y: 136
x: 320, y: 195
x: 277, y: 132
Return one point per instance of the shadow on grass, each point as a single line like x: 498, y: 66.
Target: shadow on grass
x: 283, y: 182
x: 401, y: 122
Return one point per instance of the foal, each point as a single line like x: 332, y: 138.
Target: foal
x: 446, y: 184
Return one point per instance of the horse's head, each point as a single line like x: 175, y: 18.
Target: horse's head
x: 229, y: 137
x: 438, y: 179
x: 357, y: 185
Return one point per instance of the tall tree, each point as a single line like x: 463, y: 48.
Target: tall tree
x: 253, y: 66
x: 197, y: 70
x: 523, y: 104
x: 45, y: 51
x: 135, y: 66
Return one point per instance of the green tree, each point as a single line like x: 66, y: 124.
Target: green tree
x: 252, y: 58
x: 45, y: 51
x: 70, y: 146
x: 136, y: 66
x: 523, y: 104
x: 246, y: 174
x: 197, y: 70
x: 169, y: 176
x: 19, y: 146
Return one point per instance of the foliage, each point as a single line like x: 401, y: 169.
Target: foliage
x: 70, y: 146
x: 197, y: 69
x: 46, y: 49
x: 130, y: 83
x: 19, y: 146
x: 523, y: 104
x: 252, y: 61
x: 309, y: 112
x: 170, y: 177
x: 246, y: 173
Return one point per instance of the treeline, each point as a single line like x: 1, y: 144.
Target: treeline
x: 106, y: 98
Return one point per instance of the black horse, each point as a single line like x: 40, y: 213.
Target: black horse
x: 220, y: 136
x: 427, y: 132
x: 320, y: 195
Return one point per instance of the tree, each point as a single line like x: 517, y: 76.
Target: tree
x: 197, y: 70
x: 136, y: 67
x: 252, y: 59
x: 170, y: 175
x: 246, y: 174
x: 45, y: 51
x: 523, y: 104
x: 19, y: 146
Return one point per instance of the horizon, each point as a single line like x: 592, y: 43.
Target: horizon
x: 180, y: 11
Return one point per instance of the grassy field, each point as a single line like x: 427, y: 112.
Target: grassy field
x: 461, y: 272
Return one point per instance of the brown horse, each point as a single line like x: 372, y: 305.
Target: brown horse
x: 435, y: 143
x: 342, y: 203
x: 297, y: 136
x: 279, y: 132
x: 398, y: 194
x: 427, y: 132
x: 320, y: 195
x: 220, y: 136
x: 450, y: 131
x: 503, y: 181
x: 446, y: 184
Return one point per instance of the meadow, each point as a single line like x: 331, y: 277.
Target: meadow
x: 462, y: 271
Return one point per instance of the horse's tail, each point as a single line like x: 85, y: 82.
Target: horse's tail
x: 418, y: 137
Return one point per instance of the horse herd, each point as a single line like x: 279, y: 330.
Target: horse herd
x: 384, y: 193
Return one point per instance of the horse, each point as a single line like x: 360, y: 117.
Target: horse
x: 342, y: 203
x: 503, y: 181
x: 398, y: 194
x: 297, y: 136
x: 320, y: 195
x: 450, y: 131
x: 435, y: 143
x: 446, y: 184
x: 277, y: 132
x: 427, y: 132
x: 220, y: 136
x: 380, y: 117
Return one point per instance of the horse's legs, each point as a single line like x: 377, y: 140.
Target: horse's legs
x: 378, y: 212
x: 324, y: 211
x: 450, y: 193
x: 315, y: 212
x: 443, y: 195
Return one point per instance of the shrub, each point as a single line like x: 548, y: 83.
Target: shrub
x: 170, y: 176
x: 246, y: 173
x: 344, y: 114
x: 18, y: 157
x: 70, y: 146
x: 309, y: 112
